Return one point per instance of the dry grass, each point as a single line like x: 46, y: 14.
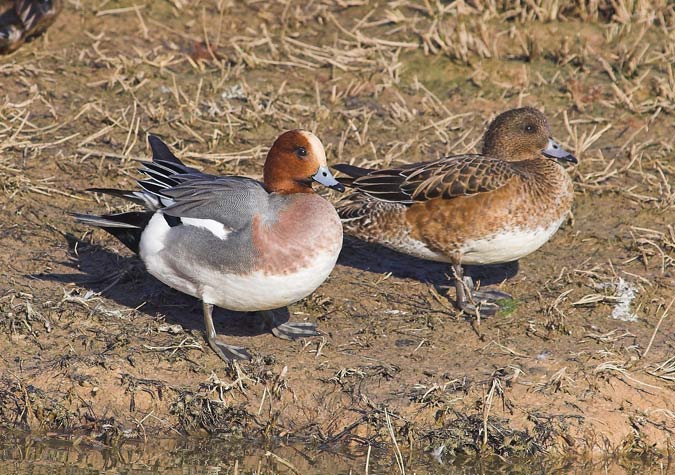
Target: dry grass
x: 384, y: 83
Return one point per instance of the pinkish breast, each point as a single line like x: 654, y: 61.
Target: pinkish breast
x: 307, y: 227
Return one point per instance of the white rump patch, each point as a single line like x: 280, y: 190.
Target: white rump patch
x: 216, y: 228
x: 154, y: 235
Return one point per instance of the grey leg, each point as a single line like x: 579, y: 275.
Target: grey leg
x: 288, y: 331
x: 461, y: 286
x: 471, y: 301
x: 226, y: 352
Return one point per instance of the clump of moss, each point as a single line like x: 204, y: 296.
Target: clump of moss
x: 507, y: 306
x: 197, y: 412
x: 20, y: 316
x: 464, y: 436
x: 30, y: 407
x: 636, y: 448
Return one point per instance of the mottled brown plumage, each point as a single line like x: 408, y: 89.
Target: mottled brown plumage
x: 22, y: 20
x: 468, y: 209
x: 445, y: 178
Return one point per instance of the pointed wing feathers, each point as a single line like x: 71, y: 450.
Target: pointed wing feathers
x: 231, y: 201
x: 446, y: 178
x: 162, y: 153
x: 185, y: 192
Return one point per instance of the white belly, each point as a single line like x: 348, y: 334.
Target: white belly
x: 259, y: 291
x: 415, y: 248
x: 239, y: 292
x: 507, y: 246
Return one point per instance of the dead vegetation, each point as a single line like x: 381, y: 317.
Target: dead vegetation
x: 583, y: 362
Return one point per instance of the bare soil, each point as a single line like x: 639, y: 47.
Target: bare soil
x: 581, y: 363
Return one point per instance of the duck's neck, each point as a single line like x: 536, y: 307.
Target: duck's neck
x: 545, y: 178
x: 506, y: 152
x: 288, y: 187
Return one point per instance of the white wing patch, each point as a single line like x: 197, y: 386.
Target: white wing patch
x: 216, y: 228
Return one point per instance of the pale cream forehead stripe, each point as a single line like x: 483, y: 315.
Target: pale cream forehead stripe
x: 316, y: 146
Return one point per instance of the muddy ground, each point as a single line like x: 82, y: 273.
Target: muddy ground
x: 582, y: 362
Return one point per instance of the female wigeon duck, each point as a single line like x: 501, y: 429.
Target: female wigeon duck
x: 491, y: 208
x: 232, y: 241
x: 21, y: 20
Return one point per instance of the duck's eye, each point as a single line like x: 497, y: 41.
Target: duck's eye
x: 529, y: 128
x: 301, y: 152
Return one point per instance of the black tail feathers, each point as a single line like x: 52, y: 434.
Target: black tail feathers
x: 161, y: 152
x: 127, y: 227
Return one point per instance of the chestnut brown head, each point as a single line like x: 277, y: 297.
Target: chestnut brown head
x: 296, y: 160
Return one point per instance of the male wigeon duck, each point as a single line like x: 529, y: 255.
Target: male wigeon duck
x: 22, y: 20
x: 491, y: 208
x: 232, y: 241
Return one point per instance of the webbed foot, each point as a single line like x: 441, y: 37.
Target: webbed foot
x: 490, y: 295
x: 479, y: 303
x: 226, y: 353
x: 289, y: 330
x: 482, y: 309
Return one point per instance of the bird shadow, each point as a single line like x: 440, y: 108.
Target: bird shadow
x: 379, y: 259
x: 124, y: 280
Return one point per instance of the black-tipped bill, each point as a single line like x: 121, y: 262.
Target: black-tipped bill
x: 554, y: 150
x: 326, y: 178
